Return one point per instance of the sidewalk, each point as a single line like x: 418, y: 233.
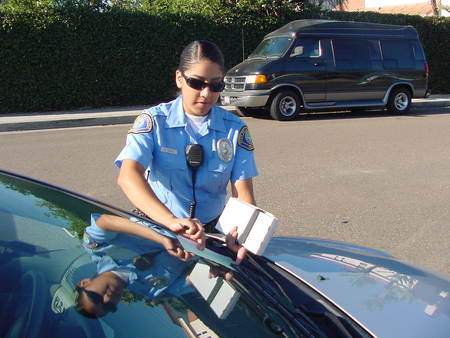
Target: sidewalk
x: 125, y: 115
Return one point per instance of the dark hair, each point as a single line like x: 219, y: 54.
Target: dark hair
x: 198, y: 50
x: 79, y: 305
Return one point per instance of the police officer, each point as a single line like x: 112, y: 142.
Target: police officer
x: 157, y: 141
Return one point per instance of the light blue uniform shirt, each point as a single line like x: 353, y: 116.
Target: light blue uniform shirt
x: 158, y: 140
x: 115, y: 251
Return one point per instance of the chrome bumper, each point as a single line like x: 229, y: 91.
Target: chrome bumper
x: 254, y: 98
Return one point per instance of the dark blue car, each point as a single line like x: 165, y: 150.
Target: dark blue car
x: 301, y: 287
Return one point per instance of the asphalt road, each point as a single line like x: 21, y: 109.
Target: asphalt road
x: 370, y: 179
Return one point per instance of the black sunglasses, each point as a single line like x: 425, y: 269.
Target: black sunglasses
x: 98, y: 300
x: 197, y: 84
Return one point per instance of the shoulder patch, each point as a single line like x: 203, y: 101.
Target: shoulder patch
x: 244, y: 139
x: 142, y: 124
x: 89, y: 242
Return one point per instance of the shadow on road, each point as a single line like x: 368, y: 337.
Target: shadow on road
x: 327, y: 115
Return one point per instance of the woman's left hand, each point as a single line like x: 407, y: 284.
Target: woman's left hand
x: 233, y: 245
x: 190, y: 228
x: 174, y: 250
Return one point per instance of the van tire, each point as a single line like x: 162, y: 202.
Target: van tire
x: 399, y: 101
x: 285, y: 106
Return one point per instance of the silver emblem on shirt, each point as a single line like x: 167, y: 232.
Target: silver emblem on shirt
x: 225, y: 149
x: 158, y: 282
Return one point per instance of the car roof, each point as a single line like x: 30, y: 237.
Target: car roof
x: 342, y: 28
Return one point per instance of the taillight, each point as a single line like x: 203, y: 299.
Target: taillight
x: 425, y: 68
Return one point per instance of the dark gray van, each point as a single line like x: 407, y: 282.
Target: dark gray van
x: 310, y: 65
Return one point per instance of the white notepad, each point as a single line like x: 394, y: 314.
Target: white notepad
x: 217, y: 292
x: 255, y: 225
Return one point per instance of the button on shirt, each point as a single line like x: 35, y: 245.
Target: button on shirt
x: 160, y: 149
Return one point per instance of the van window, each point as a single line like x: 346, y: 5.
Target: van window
x: 306, y: 48
x: 271, y: 47
x: 397, y: 54
x: 418, y: 52
x: 374, y: 50
x: 351, y: 54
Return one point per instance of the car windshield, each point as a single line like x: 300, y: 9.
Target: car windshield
x: 60, y: 268
x: 271, y: 47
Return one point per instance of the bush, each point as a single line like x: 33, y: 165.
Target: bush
x: 72, y: 57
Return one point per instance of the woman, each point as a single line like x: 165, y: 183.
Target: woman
x: 154, y: 173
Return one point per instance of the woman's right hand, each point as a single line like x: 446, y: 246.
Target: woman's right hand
x: 190, y: 228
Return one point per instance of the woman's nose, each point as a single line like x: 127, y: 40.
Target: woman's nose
x: 205, y: 91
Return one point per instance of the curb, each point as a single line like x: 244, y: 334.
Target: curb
x: 34, y: 121
x: 436, y: 103
x: 69, y: 123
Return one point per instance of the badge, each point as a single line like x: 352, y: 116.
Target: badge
x: 225, y: 149
x: 158, y: 282
x: 142, y: 124
x: 244, y: 139
x: 89, y: 242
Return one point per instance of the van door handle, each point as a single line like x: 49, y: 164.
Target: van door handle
x: 318, y: 63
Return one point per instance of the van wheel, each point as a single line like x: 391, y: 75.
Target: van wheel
x: 285, y: 106
x: 399, y: 101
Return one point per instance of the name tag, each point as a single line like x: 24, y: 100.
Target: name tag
x: 169, y: 150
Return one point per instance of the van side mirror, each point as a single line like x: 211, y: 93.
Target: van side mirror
x: 298, y: 51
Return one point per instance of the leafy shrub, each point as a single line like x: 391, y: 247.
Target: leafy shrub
x: 79, y: 56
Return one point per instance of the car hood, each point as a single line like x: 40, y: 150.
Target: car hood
x: 387, y: 297
x: 251, y: 66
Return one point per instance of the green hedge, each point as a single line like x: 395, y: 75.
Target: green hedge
x: 53, y: 59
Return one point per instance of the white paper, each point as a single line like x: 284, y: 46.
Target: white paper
x: 255, y: 226
x: 239, y: 214
x: 225, y: 297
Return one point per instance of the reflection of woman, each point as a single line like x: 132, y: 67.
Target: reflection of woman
x: 128, y: 254
x: 157, y: 141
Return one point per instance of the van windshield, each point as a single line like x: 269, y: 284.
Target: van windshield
x: 272, y: 47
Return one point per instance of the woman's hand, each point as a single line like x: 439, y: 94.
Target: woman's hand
x: 190, y: 228
x: 174, y: 250
x: 180, y: 253
x: 233, y: 245
x: 215, y: 271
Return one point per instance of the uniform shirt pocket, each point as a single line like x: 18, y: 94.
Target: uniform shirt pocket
x: 219, y: 173
x: 169, y: 161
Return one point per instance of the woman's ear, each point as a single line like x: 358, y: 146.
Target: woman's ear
x: 178, y: 78
x: 84, y: 282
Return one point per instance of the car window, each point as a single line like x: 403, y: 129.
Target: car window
x: 306, y: 48
x: 397, y: 54
x: 351, y: 54
x: 272, y: 47
x: 418, y: 51
x: 374, y: 50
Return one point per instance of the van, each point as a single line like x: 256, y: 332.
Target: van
x: 316, y: 65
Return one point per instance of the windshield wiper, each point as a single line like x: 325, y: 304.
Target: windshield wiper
x: 315, y: 309
x: 268, y: 286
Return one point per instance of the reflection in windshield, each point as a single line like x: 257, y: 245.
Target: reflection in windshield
x: 197, y: 297
x: 272, y: 47
x: 142, y: 264
x: 134, y: 285
x: 36, y: 201
x: 218, y: 293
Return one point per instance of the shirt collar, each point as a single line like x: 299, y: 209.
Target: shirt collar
x: 176, y: 117
x: 216, y: 121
